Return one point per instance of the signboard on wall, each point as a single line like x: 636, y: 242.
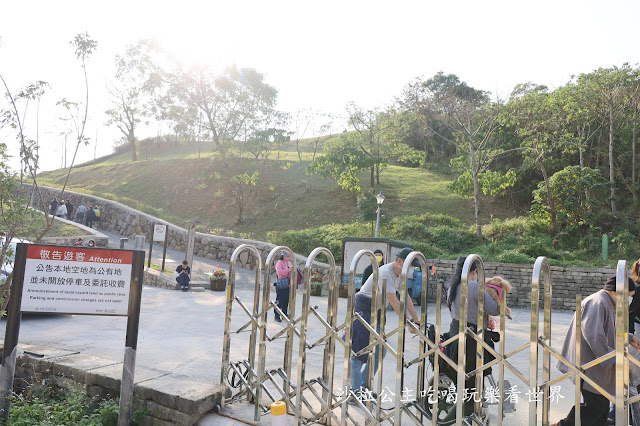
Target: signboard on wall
x: 77, y: 280
x: 159, y: 233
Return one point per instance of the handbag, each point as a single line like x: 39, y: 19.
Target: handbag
x: 282, y: 283
x: 300, y: 278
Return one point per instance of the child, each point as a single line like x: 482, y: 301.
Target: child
x: 494, y: 288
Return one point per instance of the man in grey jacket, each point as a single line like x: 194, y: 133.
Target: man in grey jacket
x: 598, y: 339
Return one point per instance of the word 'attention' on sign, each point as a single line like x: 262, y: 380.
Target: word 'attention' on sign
x: 76, y: 280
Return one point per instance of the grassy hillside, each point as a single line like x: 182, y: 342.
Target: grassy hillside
x: 165, y: 183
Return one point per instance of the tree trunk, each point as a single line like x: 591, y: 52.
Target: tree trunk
x: 633, y: 156
x: 373, y: 175
x: 552, y: 205
x: 611, y: 167
x: 216, y: 138
x: 476, y: 192
x: 297, y: 149
x: 132, y: 143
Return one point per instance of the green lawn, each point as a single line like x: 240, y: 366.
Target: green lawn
x: 167, y: 185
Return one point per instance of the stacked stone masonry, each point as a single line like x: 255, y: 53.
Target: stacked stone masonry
x: 118, y: 218
x: 169, y: 399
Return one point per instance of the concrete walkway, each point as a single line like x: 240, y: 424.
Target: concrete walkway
x: 182, y: 333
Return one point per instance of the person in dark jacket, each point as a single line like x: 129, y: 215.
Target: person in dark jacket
x: 53, y: 206
x: 184, y: 275
x: 91, y: 217
x: 69, y: 210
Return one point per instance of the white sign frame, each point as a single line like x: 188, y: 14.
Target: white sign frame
x: 159, y: 233
x: 77, y: 280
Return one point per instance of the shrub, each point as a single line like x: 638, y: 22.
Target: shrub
x: 512, y: 256
x: 39, y: 405
x: 540, y: 245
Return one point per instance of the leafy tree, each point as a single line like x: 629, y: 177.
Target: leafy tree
x: 342, y: 159
x: 18, y: 219
x: 425, y: 125
x: 262, y: 142
x: 615, y: 87
x: 243, y: 185
x: 231, y: 102
x: 472, y: 120
x: 136, y: 79
x: 369, y: 137
x: 532, y: 116
x: 580, y: 193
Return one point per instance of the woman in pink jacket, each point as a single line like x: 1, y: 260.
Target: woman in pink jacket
x: 283, y: 270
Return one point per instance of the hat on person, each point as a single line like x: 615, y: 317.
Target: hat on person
x: 611, y: 284
x: 377, y: 251
x: 403, y: 255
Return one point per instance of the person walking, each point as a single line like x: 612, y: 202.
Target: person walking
x: 360, y: 334
x: 91, y: 217
x: 80, y: 212
x: 598, y: 326
x: 283, y: 284
x: 183, y: 275
x: 70, y: 208
x: 53, y: 206
x: 61, y: 211
x: 98, y: 214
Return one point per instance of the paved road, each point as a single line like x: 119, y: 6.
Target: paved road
x: 183, y: 332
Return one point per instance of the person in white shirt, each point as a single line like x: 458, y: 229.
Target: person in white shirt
x: 360, y: 335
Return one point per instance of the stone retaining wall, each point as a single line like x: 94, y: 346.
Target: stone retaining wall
x: 116, y: 217
x: 566, y: 282
x: 170, y: 399
x: 123, y: 220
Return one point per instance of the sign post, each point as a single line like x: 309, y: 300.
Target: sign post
x: 164, y: 249
x: 191, y: 241
x: 74, y: 280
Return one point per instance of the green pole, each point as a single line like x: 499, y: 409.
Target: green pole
x: 605, y: 247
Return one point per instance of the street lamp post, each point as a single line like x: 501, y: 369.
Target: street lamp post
x: 380, y: 199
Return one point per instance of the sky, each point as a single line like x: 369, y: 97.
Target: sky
x: 319, y: 55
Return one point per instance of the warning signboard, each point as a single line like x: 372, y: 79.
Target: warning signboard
x: 159, y: 233
x: 76, y: 280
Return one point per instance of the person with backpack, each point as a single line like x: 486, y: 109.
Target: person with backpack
x: 97, y: 212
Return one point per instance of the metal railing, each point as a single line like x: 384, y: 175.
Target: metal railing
x: 317, y: 400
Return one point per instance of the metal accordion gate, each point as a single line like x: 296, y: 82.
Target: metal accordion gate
x: 312, y: 365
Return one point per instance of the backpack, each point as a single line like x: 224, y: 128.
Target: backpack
x: 97, y: 212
